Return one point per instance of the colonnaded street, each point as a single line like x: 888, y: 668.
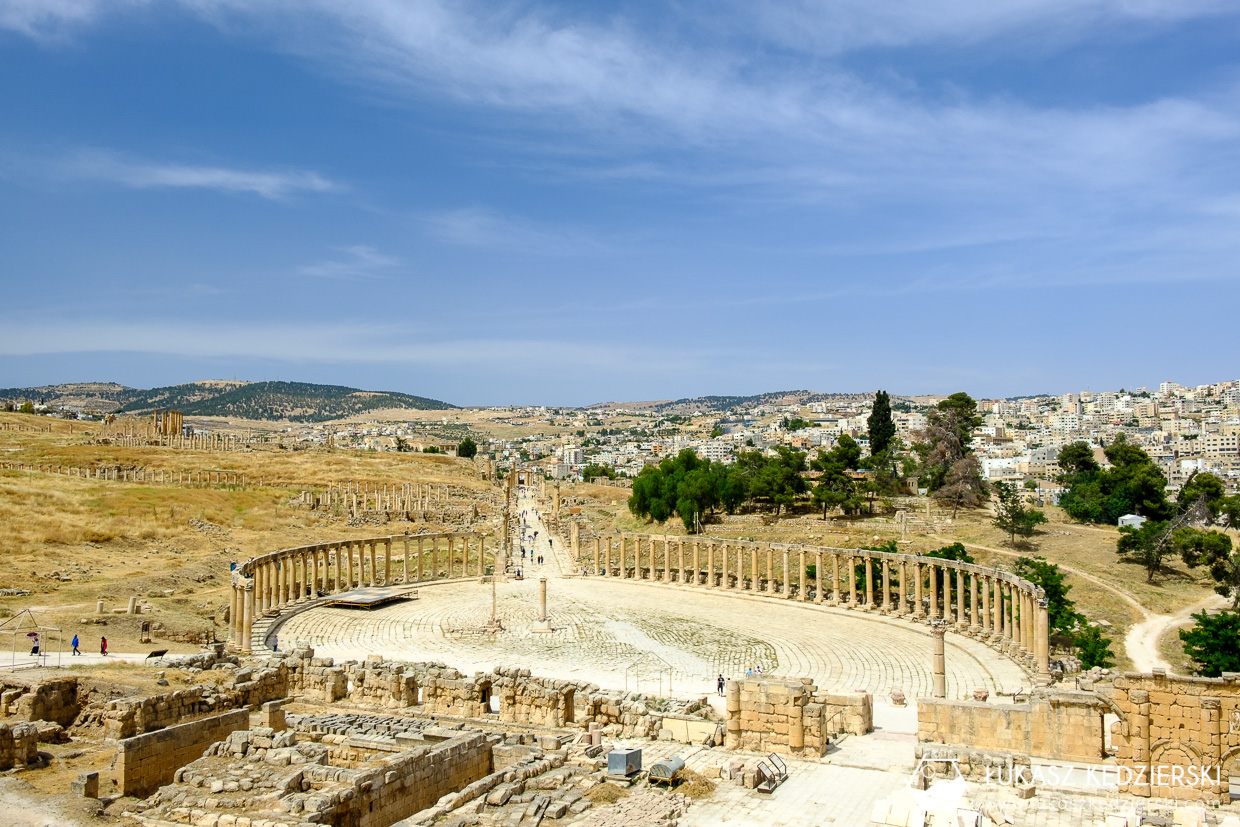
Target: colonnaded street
x: 632, y: 635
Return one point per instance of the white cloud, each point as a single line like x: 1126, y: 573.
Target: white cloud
x: 50, y: 19
x: 143, y: 174
x: 483, y: 227
x: 359, y: 262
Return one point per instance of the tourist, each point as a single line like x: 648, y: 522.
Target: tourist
x: 721, y: 686
x: 75, y: 645
x: 749, y: 672
x: 34, y: 643
x: 103, y: 646
x: 275, y: 643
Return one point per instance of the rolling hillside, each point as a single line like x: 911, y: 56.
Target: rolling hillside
x: 295, y: 401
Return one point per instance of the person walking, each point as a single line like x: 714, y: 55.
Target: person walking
x: 34, y: 643
x: 103, y: 646
x: 721, y: 686
x: 75, y: 645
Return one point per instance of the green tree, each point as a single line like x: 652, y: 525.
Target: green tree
x: 594, y: 470
x: 1060, y: 610
x: 1013, y: 517
x: 431, y: 449
x: 1147, y: 546
x: 1213, y: 643
x: 1205, y: 492
x: 401, y: 444
x: 1212, y: 549
x: 27, y: 407
x: 467, y: 449
x: 716, y: 432
x: 1133, y: 484
x: 1093, y: 648
x: 880, y: 425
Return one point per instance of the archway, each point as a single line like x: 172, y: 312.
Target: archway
x: 570, y: 702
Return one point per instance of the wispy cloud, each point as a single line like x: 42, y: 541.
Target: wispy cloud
x: 52, y: 19
x: 484, y: 227
x: 359, y: 262
x: 145, y: 174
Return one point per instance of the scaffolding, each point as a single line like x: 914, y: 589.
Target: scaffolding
x: 26, y: 628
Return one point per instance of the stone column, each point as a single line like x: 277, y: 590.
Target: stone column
x: 787, y: 589
x: 247, y: 622
x: 959, y: 598
x: 314, y: 572
x: 852, y: 582
x: 732, y: 694
x: 770, y: 570
x: 973, y: 595
x: 435, y: 557
x: 902, y: 590
x: 420, y: 575
x: 234, y: 616
x: 680, y: 559
x: 697, y: 561
x: 884, y: 603
x: 1043, y: 649
x: 710, y: 565
x: 835, y: 579
x: 598, y: 543
x: 667, y: 559
x: 818, y: 577
x: 918, y: 609
x: 803, y: 590
x: 723, y: 551
x: 753, y: 568
x: 543, y: 624
x: 282, y: 581
x: 987, y: 617
x: 934, y: 591
x: 940, y: 661
x: 405, y: 560
x: 387, y: 562
x: 869, y: 582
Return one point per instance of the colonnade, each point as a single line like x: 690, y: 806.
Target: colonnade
x: 994, y: 606
x: 269, y: 584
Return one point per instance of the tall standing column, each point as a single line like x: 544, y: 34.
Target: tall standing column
x: 680, y: 561
x: 918, y: 608
x: 973, y: 611
x: 869, y: 583
x: 435, y: 557
x: 710, y: 565
x: 959, y: 598
x: 753, y: 568
x: 247, y: 621
x: 314, y: 572
x: 282, y: 581
x: 598, y: 542
x: 987, y: 618
x: 723, y: 551
x: 802, y: 585
x: 234, y: 616
x: 852, y: 582
x: 934, y: 591
x: 1042, y: 650
x: 818, y: 577
x: 787, y: 589
x: 770, y: 570
x: 697, y: 562
x: 387, y: 562
x: 940, y: 664
x: 405, y: 561
x: 884, y: 604
x: 667, y: 559
x: 835, y: 579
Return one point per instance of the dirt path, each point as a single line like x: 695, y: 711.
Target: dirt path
x: 1144, y: 638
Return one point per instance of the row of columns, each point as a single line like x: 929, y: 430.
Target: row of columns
x: 269, y: 584
x: 984, y: 603
x: 147, y: 475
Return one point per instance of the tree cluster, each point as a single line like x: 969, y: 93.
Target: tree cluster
x: 691, y: 487
x: 950, y: 471
x: 1132, y: 485
x: 1012, y: 516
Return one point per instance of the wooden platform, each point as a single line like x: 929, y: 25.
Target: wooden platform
x: 372, y: 597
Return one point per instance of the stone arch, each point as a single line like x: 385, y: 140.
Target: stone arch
x: 488, y: 698
x: 570, y: 703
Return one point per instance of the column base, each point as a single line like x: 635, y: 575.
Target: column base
x: 541, y: 627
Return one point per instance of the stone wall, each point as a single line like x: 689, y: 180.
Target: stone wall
x: 406, y: 783
x: 19, y: 745
x: 127, y: 717
x: 1174, y: 730
x: 146, y: 762
x: 55, y: 699
x: 1061, y: 725
x: 515, y: 695
x: 771, y: 715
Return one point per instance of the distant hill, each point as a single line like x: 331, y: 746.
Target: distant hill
x: 725, y: 403
x: 294, y: 401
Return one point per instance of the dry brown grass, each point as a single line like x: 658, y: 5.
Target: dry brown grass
x: 73, y: 541
x: 694, y: 784
x: 606, y: 793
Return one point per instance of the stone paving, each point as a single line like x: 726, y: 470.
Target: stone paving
x: 630, y: 635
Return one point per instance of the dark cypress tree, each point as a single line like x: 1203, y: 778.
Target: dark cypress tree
x: 881, y: 426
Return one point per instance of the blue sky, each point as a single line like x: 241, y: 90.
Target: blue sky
x: 568, y: 203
